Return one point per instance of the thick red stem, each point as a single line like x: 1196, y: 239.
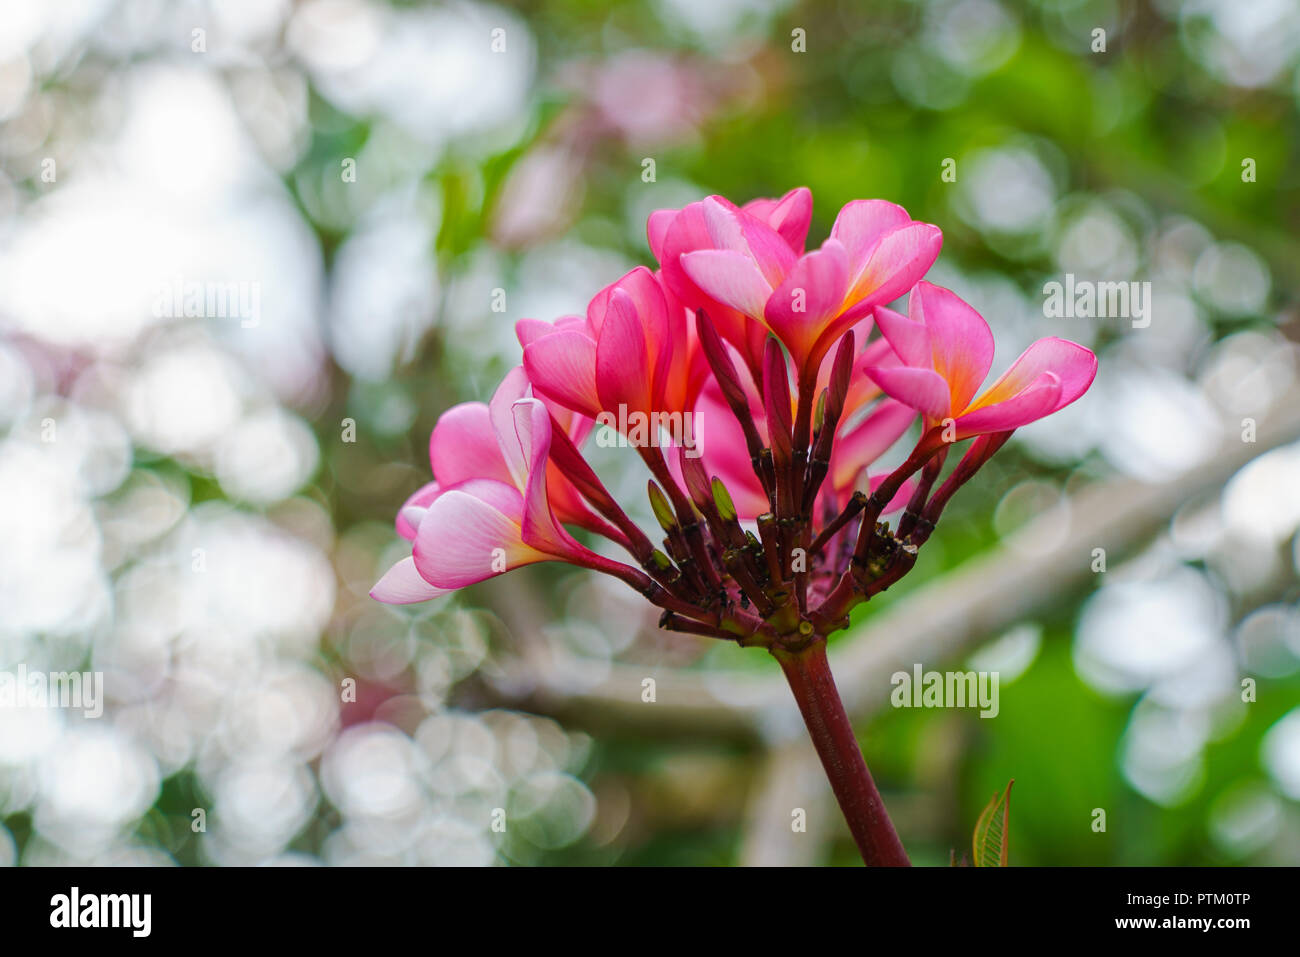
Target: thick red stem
x: 809, y: 675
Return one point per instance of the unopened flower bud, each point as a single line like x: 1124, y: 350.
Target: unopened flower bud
x: 776, y: 399
x: 663, y: 511
x: 722, y: 501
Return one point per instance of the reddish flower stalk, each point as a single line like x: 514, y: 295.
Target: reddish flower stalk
x: 742, y: 356
x: 809, y: 675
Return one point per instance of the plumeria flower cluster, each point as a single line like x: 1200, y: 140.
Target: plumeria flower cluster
x: 767, y: 502
x: 759, y: 382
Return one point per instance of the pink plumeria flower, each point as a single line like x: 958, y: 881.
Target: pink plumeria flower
x: 767, y: 347
x: 635, y: 350
x: 464, y: 445
x: 489, y: 509
x: 875, y: 253
x: 673, y: 232
x: 946, y: 349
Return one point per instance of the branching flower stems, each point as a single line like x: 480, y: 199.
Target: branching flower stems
x: 778, y: 554
x: 795, y: 583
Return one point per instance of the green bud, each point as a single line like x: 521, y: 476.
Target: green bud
x: 722, y: 500
x: 663, y: 511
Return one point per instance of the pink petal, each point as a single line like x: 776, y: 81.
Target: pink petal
x: 729, y: 277
x: 1041, y: 398
x: 413, y: 509
x: 539, y: 530
x: 682, y: 368
x: 576, y: 426
x: 623, y: 375
x: 513, y: 387
x: 686, y: 233
x: 1075, y: 365
x: 896, y: 264
x: 402, y: 585
x: 961, y: 343
x: 528, y: 331
x: 881, y: 352
x: 657, y: 227
x: 562, y: 367
x: 790, y: 215
x: 641, y: 294
x: 530, y: 424
x: 689, y: 232
x: 799, y: 311
x: 471, y: 533
x: 647, y: 300
x: 906, y: 337
x: 411, y: 515
x: 922, y: 389
x: 732, y: 228
x: 572, y: 324
x: 867, y: 441
x: 532, y: 427
x: 861, y: 224
x: 463, y: 446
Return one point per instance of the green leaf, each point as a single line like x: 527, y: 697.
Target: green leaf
x: 990, y: 841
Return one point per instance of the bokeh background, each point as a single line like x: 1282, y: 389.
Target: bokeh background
x: 197, y: 506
